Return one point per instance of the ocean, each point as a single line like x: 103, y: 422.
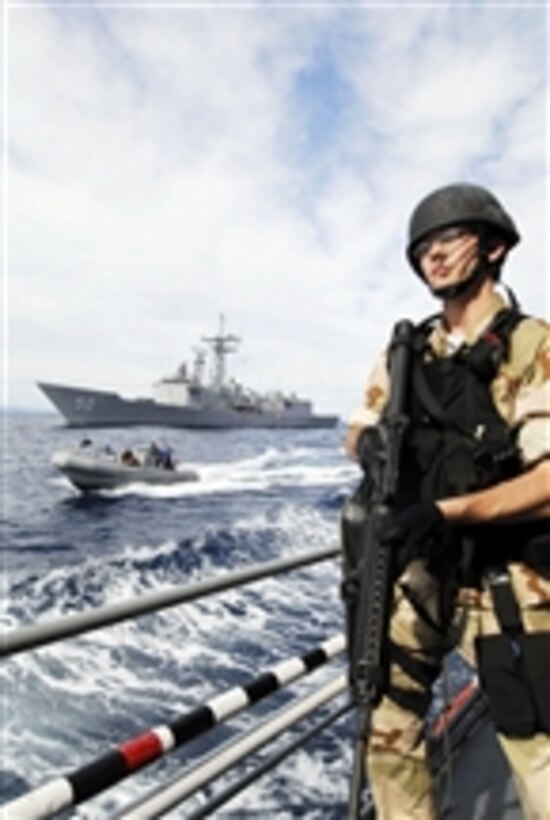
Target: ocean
x: 263, y: 495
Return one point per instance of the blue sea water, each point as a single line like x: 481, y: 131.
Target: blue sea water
x: 263, y: 495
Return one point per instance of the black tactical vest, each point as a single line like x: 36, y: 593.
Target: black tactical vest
x: 457, y: 441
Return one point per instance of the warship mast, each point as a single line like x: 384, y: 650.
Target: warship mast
x: 221, y: 344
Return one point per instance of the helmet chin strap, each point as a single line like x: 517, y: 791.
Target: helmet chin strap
x: 483, y: 269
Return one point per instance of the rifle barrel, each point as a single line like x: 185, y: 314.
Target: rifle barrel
x: 370, y: 664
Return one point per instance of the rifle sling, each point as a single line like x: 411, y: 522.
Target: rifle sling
x: 412, y: 701
x: 420, y: 671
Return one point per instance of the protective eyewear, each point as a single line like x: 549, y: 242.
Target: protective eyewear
x: 444, y: 237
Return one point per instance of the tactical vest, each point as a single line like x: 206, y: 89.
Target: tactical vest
x: 457, y: 441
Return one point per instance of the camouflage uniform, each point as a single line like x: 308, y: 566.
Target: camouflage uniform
x: 396, y: 761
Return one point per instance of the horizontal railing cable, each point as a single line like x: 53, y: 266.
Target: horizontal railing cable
x: 32, y: 637
x: 276, y: 759
x: 140, y: 751
x: 233, y: 752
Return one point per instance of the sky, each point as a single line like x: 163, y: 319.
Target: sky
x: 166, y: 163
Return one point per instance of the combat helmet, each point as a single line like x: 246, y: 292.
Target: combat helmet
x: 459, y: 204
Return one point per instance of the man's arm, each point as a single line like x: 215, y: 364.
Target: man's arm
x: 524, y: 497
x: 352, y: 437
x: 368, y: 415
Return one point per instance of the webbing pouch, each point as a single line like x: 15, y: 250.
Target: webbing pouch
x: 514, y: 672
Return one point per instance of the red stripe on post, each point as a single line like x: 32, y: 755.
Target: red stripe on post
x: 141, y: 750
x: 453, y: 708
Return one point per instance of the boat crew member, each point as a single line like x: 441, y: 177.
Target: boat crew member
x: 129, y: 458
x: 472, y: 519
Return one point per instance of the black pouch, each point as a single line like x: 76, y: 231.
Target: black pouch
x: 536, y: 660
x: 514, y: 672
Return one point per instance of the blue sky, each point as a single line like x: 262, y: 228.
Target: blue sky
x: 169, y: 162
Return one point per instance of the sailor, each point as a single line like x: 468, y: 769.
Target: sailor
x: 153, y: 455
x: 129, y: 458
x: 167, y: 458
x: 471, y: 527
x: 160, y: 456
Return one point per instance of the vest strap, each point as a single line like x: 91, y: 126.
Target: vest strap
x: 504, y: 600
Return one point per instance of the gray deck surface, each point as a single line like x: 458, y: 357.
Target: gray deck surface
x: 482, y: 785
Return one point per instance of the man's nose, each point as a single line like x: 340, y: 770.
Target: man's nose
x: 436, y: 248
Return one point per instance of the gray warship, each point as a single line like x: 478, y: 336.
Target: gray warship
x: 188, y: 399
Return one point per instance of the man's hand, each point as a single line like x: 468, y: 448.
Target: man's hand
x: 417, y: 531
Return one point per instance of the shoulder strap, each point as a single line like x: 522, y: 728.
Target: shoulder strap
x: 493, y: 346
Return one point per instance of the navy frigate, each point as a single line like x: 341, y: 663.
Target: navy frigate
x: 189, y: 399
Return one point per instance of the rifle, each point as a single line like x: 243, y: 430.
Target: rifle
x: 369, y: 667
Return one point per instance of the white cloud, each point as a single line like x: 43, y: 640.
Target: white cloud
x: 166, y: 165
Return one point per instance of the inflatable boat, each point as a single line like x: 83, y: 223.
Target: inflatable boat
x: 90, y: 470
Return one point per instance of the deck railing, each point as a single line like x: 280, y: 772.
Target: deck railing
x: 49, y: 631
x: 49, y: 799
x: 55, y: 797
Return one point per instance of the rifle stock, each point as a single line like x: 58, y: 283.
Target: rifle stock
x: 369, y: 656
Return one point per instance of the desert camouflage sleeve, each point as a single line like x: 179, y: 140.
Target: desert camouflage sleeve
x: 375, y: 397
x: 532, y: 405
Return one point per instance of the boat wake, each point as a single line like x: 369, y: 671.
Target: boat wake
x: 270, y: 470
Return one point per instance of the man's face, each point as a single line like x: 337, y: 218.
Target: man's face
x: 447, y: 256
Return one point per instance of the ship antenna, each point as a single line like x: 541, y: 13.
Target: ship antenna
x: 221, y: 344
